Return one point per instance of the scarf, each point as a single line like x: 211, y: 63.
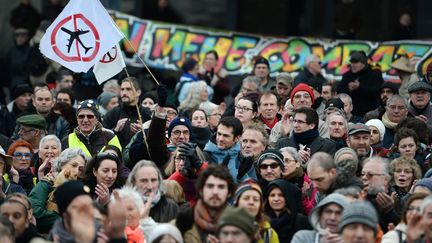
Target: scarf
x: 305, y: 138
x: 134, y: 235
x: 269, y: 123
x: 204, y: 219
x: 190, y: 76
x: 296, y: 177
x: 387, y: 123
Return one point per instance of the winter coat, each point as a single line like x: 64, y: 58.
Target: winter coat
x: 165, y: 210
x: 318, y: 145
x: 364, y: 98
x: 39, y: 198
x: 304, y: 75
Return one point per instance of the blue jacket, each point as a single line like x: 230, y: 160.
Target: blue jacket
x: 214, y: 155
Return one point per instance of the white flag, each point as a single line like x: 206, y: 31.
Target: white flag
x: 80, y: 36
x: 110, y: 64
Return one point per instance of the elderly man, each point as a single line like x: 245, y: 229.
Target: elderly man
x: 268, y: 109
x: 419, y: 106
x: 89, y: 136
x: 361, y: 83
x: 312, y: 69
x: 359, y: 223
x: 147, y: 179
x: 376, y: 179
x: 359, y: 139
x: 32, y: 128
x: 270, y: 166
x: 215, y: 186
x: 396, y: 111
x: 338, y: 127
x: 325, y: 218
x: 416, y: 230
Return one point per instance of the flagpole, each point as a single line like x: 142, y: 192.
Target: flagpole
x: 136, y: 53
x: 138, y: 111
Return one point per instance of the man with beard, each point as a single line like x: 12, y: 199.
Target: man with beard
x: 199, y: 223
x: 124, y: 119
x: 89, y: 136
x: 396, y: 111
x: 387, y: 90
x: 419, y: 106
x: 147, y: 179
x: 376, y: 182
x: 306, y: 137
x: 268, y: 108
x: 359, y: 136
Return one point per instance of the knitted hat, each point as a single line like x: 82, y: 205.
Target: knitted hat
x: 336, y: 198
x: 246, y: 186
x: 358, y: 127
x: 189, y: 64
x: 343, y: 151
x: 239, y: 218
x: 379, y: 125
x: 349, y: 166
x: 302, y: 87
x: 21, y: 89
x: 419, y: 85
x: 425, y: 182
x: 67, y: 192
x: 261, y: 60
x: 35, y: 121
x: 179, y: 121
x: 105, y: 97
x: 271, y: 154
x: 359, y: 56
x: 88, y: 104
x: 165, y: 229
x: 359, y: 212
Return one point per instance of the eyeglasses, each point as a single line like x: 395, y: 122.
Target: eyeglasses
x: 22, y: 131
x: 178, y: 132
x: 90, y: 117
x: 369, y: 175
x: 20, y: 156
x: 299, y: 121
x: 299, y: 96
x: 412, y: 208
x: 288, y: 161
x: 272, y: 166
x: 242, y: 109
x: 171, y: 113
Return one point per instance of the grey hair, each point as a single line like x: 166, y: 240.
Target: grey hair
x: 252, y: 79
x: 395, y: 98
x: 113, y: 83
x: 49, y: 138
x: 344, y: 96
x: 132, y: 193
x: 427, y: 201
x: 312, y: 58
x: 131, y: 180
x: 193, y: 100
x: 337, y: 113
x: 292, y: 151
x: 385, y: 164
x: 66, y: 156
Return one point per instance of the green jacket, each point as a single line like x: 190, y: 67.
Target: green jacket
x: 39, y: 198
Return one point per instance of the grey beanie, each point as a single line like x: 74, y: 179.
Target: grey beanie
x: 165, y: 229
x: 349, y: 166
x: 336, y: 198
x: 359, y: 213
x: 105, y: 98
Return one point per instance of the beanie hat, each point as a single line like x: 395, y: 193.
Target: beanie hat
x: 345, y: 150
x: 21, y: 89
x: 302, y: 87
x: 239, y: 218
x: 88, y: 104
x: 67, y: 192
x: 271, y: 154
x: 379, y: 125
x: 179, y: 121
x: 171, y: 105
x: 261, y: 60
x: 335, y: 198
x: 359, y: 213
x: 151, y: 95
x: 105, y: 97
x: 189, y: 64
x: 359, y: 56
x: 246, y: 186
x: 394, y: 87
x: 165, y: 229
x: 425, y: 182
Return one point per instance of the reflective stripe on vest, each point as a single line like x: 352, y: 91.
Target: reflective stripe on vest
x: 75, y: 142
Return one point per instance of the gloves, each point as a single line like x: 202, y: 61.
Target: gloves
x: 162, y: 95
x: 191, y: 158
x: 245, y: 165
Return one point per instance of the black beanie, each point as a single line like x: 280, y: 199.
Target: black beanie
x: 67, y: 192
x: 20, y: 89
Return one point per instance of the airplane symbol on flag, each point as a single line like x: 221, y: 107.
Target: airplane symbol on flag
x: 75, y: 35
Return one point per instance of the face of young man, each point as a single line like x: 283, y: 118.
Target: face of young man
x: 128, y: 93
x: 300, y: 124
x: 261, y: 71
x: 320, y: 178
x: 225, y: 138
x: 43, y: 101
x: 215, y: 192
x: 326, y: 92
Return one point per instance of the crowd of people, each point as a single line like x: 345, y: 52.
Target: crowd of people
x: 298, y: 158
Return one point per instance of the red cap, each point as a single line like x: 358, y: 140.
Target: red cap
x: 302, y: 87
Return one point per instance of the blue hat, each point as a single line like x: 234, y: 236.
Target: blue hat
x: 179, y: 121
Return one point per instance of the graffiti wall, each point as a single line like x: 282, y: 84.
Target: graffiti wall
x: 163, y: 45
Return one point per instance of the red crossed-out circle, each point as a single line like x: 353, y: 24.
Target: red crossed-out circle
x: 107, y: 58
x: 78, y: 57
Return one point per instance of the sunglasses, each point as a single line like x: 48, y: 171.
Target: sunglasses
x: 272, y: 166
x: 84, y: 116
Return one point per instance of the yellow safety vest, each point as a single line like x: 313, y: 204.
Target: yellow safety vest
x: 75, y: 142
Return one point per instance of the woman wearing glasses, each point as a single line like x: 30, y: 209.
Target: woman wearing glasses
x: 405, y: 171
x: 22, y: 173
x: 246, y: 110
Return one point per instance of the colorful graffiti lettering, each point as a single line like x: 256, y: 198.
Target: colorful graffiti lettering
x: 166, y: 46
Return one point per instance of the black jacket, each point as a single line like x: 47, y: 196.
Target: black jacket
x: 305, y: 75
x: 365, y: 97
x: 320, y: 144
